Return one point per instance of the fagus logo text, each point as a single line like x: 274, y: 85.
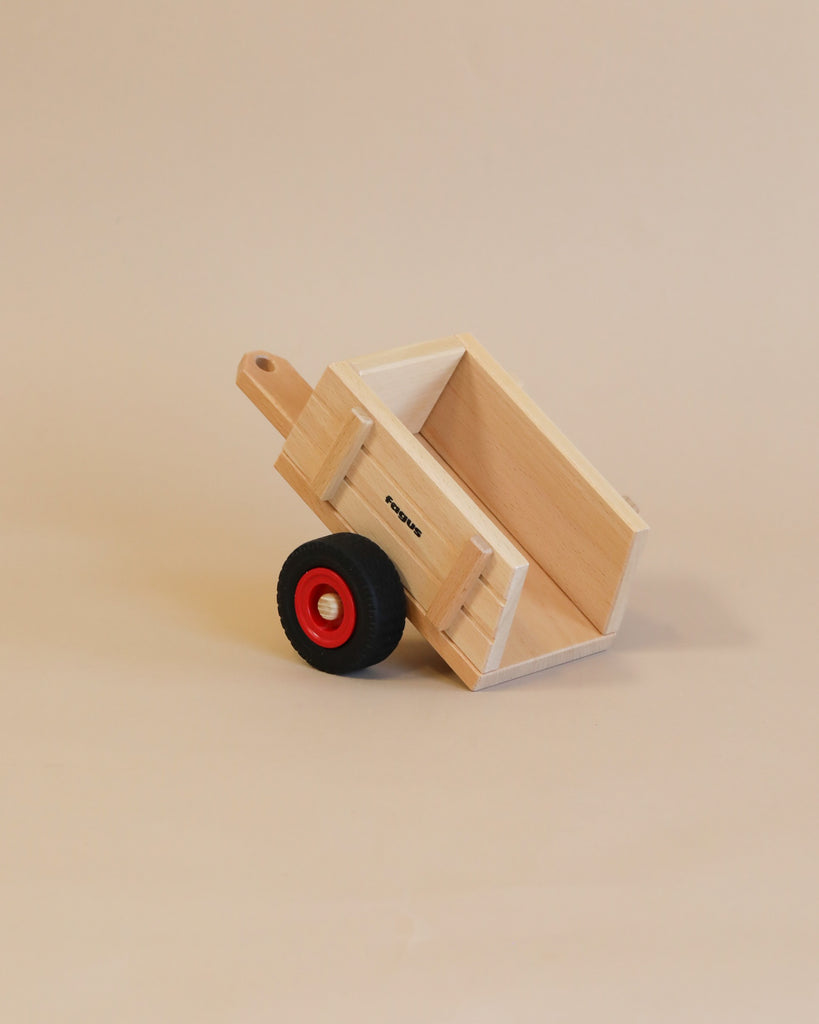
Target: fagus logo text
x: 402, y: 515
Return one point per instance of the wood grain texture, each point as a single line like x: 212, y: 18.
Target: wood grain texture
x: 452, y: 654
x: 514, y: 552
x: 428, y: 518
x: 551, y: 660
x: 410, y: 380
x: 551, y: 500
x: 405, y: 458
x: 373, y: 484
x: 417, y: 578
x: 572, y: 644
x: 277, y: 390
x: 459, y: 583
x: 547, y: 623
x: 342, y: 454
x: 396, y: 467
x: 445, y: 503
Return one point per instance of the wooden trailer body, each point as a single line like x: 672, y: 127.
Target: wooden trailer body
x: 514, y: 552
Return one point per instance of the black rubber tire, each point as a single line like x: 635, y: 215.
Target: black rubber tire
x: 380, y: 604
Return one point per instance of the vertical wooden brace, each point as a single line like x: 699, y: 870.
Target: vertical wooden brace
x: 341, y: 455
x: 457, y: 586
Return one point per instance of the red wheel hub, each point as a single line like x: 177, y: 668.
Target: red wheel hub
x: 329, y: 622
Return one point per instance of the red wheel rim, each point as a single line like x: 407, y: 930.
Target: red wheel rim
x: 326, y: 632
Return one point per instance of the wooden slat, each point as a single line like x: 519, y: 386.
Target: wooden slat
x: 342, y: 454
x: 457, y: 586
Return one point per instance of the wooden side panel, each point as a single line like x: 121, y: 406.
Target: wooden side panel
x: 448, y: 649
x: 550, y: 498
x: 413, y: 473
x: 427, y: 520
x: 486, y: 605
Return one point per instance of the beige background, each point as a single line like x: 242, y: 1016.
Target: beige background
x: 620, y: 201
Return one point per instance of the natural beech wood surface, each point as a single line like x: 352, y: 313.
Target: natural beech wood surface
x: 573, y: 639
x: 342, y: 454
x: 398, y: 466
x: 462, y: 578
x: 548, y: 628
x: 549, y: 497
x: 274, y: 387
x: 395, y: 465
x: 417, y: 482
x: 410, y: 380
x: 547, y: 622
x: 543, y: 661
x: 450, y: 651
x: 372, y: 483
x: 514, y: 552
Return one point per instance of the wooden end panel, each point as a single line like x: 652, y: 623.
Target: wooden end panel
x: 410, y: 380
x: 546, y: 494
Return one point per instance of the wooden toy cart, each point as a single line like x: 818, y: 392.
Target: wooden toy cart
x: 513, y: 552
